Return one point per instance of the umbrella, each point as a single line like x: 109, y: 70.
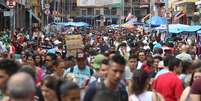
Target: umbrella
x: 177, y: 28
x: 157, y: 21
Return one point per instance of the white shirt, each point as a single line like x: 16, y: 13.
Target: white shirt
x: 145, y: 96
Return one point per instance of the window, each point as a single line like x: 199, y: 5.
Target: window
x: 114, y: 11
x: 106, y: 11
x: 97, y: 12
x: 83, y: 12
x: 90, y: 11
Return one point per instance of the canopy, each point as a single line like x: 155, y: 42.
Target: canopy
x: 177, y: 28
x: 76, y: 24
x: 193, y: 28
x: 157, y: 21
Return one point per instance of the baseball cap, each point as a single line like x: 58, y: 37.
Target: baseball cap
x: 98, y: 61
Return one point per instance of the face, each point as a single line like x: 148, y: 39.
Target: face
x: 81, y: 63
x: 142, y: 56
x: 156, y: 63
x: 115, y: 73
x: 196, y: 76
x: 60, y: 68
x: 132, y: 63
x: 3, y: 78
x: 73, y: 95
x: 48, y: 61
x: 48, y: 94
x: 30, y: 61
x: 38, y: 59
x: 103, y: 70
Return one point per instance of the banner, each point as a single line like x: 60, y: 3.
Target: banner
x: 73, y: 43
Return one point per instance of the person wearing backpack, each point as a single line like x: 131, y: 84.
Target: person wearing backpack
x: 81, y: 70
x: 112, y: 83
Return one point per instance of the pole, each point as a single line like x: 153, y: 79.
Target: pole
x: 12, y: 27
x: 30, y: 21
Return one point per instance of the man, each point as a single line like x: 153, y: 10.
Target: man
x: 184, y: 56
x: 7, y: 69
x: 81, y: 71
x: 21, y: 87
x: 196, y: 91
x: 50, y: 59
x: 131, y: 67
x: 102, y: 73
x: 142, y: 59
x: 112, y: 82
x: 169, y: 85
x: 69, y: 91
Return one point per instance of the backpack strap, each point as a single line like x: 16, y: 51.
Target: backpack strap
x: 71, y: 69
x: 91, y: 72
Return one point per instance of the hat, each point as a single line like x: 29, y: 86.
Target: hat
x: 98, y: 61
x: 57, y: 42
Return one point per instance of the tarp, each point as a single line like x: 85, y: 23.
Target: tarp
x: 157, y: 21
x: 193, y: 28
x: 177, y: 28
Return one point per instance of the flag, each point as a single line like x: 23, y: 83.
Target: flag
x: 130, y: 16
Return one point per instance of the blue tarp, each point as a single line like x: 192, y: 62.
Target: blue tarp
x: 193, y: 28
x: 177, y: 28
x: 157, y: 21
x: 76, y: 24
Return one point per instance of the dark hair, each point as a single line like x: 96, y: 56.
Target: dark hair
x: 41, y: 61
x: 9, y: 66
x: 139, y: 81
x: 67, y: 86
x: 52, y: 82
x: 105, y: 61
x: 186, y: 65
x: 117, y: 58
x: 196, y: 70
x: 150, y: 61
x: 105, y: 95
x: 53, y: 56
x: 173, y: 62
x: 132, y: 57
x: 166, y: 60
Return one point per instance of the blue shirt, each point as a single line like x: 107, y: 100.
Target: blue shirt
x: 80, y: 74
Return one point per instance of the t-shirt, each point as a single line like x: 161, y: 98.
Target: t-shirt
x: 169, y: 85
x: 145, y: 96
x: 94, y: 87
x: 196, y: 87
x: 81, y: 75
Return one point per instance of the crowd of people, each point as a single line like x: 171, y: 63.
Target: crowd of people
x: 113, y: 65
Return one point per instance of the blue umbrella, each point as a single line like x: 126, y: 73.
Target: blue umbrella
x: 177, y: 28
x: 157, y: 21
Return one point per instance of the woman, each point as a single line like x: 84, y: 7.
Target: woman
x: 37, y: 70
x: 38, y: 60
x: 50, y: 88
x: 140, y: 84
x: 186, y: 93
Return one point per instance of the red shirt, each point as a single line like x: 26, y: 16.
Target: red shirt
x: 169, y: 85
